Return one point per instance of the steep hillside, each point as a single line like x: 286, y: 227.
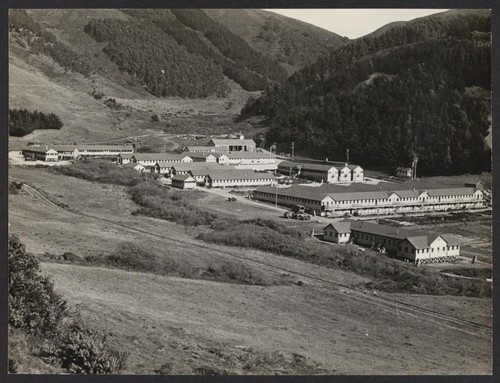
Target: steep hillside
x: 172, y: 52
x: 290, y: 42
x: 421, y: 89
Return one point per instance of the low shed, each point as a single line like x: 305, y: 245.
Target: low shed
x: 183, y: 181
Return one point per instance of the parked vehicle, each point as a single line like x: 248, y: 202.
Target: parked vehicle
x: 298, y: 212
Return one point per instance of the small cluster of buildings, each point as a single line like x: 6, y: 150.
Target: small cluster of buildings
x: 410, y: 245
x: 328, y: 173
x: 322, y: 201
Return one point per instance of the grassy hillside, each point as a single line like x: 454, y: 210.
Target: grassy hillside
x: 290, y: 42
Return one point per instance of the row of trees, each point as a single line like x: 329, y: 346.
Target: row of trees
x: 410, y: 91
x: 23, y: 122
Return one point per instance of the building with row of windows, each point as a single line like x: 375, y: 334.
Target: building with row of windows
x: 373, y: 202
x: 53, y: 153
x: 415, y: 246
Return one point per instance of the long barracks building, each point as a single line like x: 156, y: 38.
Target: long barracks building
x: 373, y: 202
x: 52, y: 153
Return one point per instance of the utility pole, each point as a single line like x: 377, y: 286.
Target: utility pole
x: 414, y: 168
x: 276, y: 202
x: 347, y: 156
x: 293, y: 149
x: 416, y: 160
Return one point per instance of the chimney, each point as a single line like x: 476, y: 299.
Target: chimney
x: 46, y: 147
x: 326, y: 159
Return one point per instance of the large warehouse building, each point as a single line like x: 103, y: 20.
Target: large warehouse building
x: 373, y: 202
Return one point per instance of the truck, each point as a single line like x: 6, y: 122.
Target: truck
x: 298, y: 212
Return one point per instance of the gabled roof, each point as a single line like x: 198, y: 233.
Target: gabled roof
x: 353, y: 167
x: 232, y: 142
x: 420, y: 242
x: 132, y: 165
x: 191, y: 148
x: 340, y: 227
x: 201, y: 155
x: 183, y: 177
x: 451, y: 240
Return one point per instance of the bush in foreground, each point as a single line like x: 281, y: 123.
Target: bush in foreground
x: 83, y: 350
x: 36, y: 309
x: 34, y: 306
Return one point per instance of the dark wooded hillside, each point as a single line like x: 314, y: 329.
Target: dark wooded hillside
x: 418, y: 89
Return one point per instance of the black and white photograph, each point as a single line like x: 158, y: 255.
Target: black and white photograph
x: 250, y: 191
